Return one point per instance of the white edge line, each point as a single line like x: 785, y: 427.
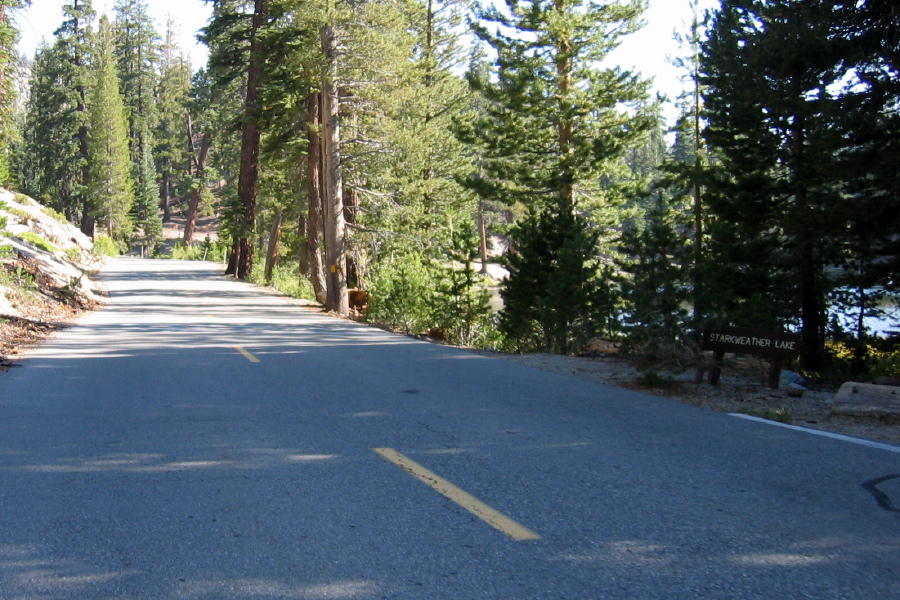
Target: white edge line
x: 828, y: 434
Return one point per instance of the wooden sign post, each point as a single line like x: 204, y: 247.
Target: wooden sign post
x: 774, y: 345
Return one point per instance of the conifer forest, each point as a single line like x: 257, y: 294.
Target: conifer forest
x: 397, y: 146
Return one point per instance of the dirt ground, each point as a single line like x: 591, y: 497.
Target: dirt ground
x: 42, y: 309
x: 742, y: 390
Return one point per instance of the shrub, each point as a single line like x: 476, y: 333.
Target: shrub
x: 651, y: 378
x: 462, y: 305
x: 862, y: 360
x: 286, y: 278
x: 401, y: 293
x: 105, y: 246
x: 38, y: 241
x: 23, y: 215
x: 17, y: 278
x: 781, y: 415
x: 207, y: 250
x: 181, y: 251
x: 55, y: 214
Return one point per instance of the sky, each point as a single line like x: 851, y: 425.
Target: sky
x: 45, y: 16
x: 647, y: 51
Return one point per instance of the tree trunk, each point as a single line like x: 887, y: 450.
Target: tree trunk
x: 315, y: 270
x: 231, y: 267
x: 190, y: 223
x: 88, y: 225
x: 698, y: 199
x: 482, y: 234
x: 165, y: 193
x: 272, y: 250
x: 810, y: 313
x: 351, y: 206
x: 335, y: 244
x: 564, y: 66
x: 250, y: 137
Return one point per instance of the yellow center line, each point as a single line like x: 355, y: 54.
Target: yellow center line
x: 472, y: 504
x: 246, y: 354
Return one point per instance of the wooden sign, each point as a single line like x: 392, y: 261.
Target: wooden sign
x: 774, y: 345
x: 758, y: 342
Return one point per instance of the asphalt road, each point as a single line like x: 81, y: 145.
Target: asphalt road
x: 198, y: 439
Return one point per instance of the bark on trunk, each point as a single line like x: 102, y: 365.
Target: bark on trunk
x: 335, y: 244
x: 564, y: 66
x: 272, y: 250
x: 810, y: 314
x: 231, y: 268
x: 250, y: 137
x: 482, y: 234
x: 88, y: 224
x: 165, y: 193
x: 315, y: 270
x: 811, y: 311
x: 190, y: 223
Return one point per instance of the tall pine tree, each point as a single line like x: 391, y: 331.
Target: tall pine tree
x: 9, y: 59
x: 111, y: 186
x: 73, y: 39
x: 779, y: 115
x: 553, y: 121
x: 172, y: 126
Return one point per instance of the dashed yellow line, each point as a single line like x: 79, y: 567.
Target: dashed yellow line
x: 472, y: 504
x: 246, y: 354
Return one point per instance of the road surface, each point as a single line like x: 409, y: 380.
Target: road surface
x: 200, y: 439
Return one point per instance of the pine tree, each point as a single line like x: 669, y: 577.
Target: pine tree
x: 553, y: 121
x: 869, y: 166
x: 205, y: 115
x: 73, y: 42
x: 655, y: 275
x: 9, y: 36
x: 148, y: 228
x: 111, y: 185
x: 51, y: 171
x: 426, y: 160
x: 464, y: 309
x: 172, y: 107
x: 55, y: 151
x: 234, y: 38
x: 779, y: 115
x: 137, y: 56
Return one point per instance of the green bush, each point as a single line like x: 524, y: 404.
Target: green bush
x: 22, y: 215
x: 862, y: 360
x: 38, y: 241
x: 401, y: 294
x: 73, y: 253
x: 653, y: 379
x: 206, y: 250
x: 17, y: 278
x: 781, y: 415
x: 286, y: 278
x: 181, y: 251
x: 462, y: 305
x: 55, y: 214
x: 105, y: 246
